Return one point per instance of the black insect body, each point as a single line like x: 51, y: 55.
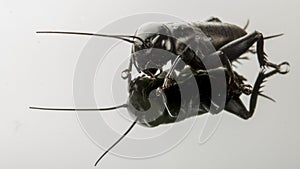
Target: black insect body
x: 175, y: 38
x: 141, y: 99
x: 202, y: 49
x: 150, y: 108
x: 229, y: 40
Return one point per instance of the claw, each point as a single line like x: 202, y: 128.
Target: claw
x: 283, y: 68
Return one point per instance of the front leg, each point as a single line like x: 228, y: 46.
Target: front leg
x: 168, y: 78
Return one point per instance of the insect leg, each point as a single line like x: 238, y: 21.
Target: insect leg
x: 168, y: 76
x: 212, y: 61
x: 233, y: 79
x: 236, y: 106
x: 166, y: 84
x: 239, y: 46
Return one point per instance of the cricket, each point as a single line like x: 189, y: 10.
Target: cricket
x: 199, y: 53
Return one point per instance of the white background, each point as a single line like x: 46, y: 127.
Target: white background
x: 38, y: 70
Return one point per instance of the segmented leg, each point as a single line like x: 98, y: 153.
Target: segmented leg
x: 239, y: 46
x: 212, y: 62
x: 168, y: 76
x: 236, y: 106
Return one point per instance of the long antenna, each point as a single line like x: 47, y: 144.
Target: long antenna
x: 72, y: 109
x: 126, y: 38
x: 112, y: 146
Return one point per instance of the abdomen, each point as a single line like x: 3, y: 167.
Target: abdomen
x: 220, y: 33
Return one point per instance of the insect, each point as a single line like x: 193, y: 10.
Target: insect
x: 188, y: 47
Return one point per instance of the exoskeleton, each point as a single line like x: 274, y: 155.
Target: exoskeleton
x: 200, y: 54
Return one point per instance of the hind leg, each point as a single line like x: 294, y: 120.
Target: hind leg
x: 239, y: 46
x: 236, y: 106
x: 234, y: 80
